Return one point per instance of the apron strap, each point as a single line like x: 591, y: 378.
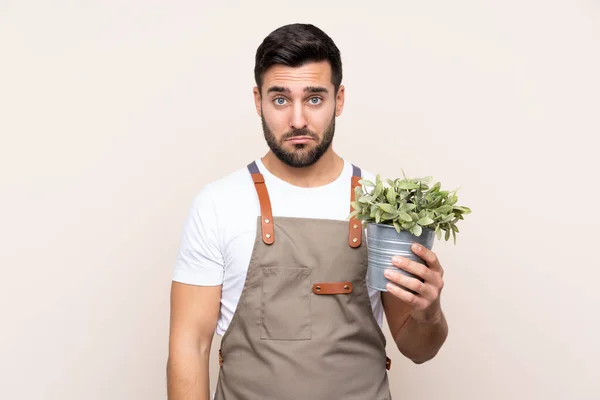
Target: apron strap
x: 355, y: 230
x: 266, y: 214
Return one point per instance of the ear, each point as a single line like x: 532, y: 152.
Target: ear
x: 339, y: 100
x: 257, y: 100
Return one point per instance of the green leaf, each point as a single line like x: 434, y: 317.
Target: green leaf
x: 374, y: 209
x: 425, y: 221
x: 454, y: 228
x: 389, y: 216
x: 444, y: 209
x: 414, y: 216
x: 451, y: 200
x: 447, y: 236
x: 365, y: 200
x: 378, y: 180
x: 435, y: 187
x: 463, y: 209
x: 366, y: 182
x: 358, y: 191
x: 378, y: 214
x: 408, y: 225
x: 391, y: 196
x: 455, y: 190
x: 447, y: 218
x: 410, y: 207
x: 435, y: 203
x: 378, y: 189
x: 438, y: 232
x: 405, y: 216
x: 388, y: 208
x: 406, y: 185
x: 417, y: 230
x: 454, y: 236
x: 397, y: 226
x: 426, y: 179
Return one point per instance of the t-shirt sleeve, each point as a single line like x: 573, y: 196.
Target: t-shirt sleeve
x: 376, y: 305
x: 199, y: 258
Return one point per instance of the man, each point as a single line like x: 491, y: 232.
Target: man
x: 269, y: 259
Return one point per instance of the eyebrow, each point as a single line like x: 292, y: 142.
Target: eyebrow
x: 315, y: 89
x: 309, y: 89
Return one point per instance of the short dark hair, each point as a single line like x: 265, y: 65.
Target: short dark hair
x: 294, y: 45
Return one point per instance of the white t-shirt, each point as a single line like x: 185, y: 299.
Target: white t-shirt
x: 220, y: 229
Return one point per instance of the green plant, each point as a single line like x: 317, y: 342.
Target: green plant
x: 410, y: 205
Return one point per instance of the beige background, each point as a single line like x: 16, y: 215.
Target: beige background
x: 113, y: 114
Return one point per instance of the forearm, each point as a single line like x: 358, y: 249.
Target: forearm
x: 187, y: 375
x: 421, y: 341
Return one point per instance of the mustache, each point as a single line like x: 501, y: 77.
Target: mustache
x: 299, y: 132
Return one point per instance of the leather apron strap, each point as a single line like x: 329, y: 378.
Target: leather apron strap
x: 266, y: 214
x: 355, y: 231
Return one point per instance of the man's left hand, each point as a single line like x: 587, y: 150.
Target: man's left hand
x: 425, y: 304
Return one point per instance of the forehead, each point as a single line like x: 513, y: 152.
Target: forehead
x: 297, y: 78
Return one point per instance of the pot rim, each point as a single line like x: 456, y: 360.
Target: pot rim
x: 392, y: 226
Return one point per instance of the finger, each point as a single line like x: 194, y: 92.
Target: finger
x: 428, y: 256
x: 422, y: 289
x: 413, y: 267
x: 411, y: 299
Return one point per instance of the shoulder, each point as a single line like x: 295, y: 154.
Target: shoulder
x: 224, y: 203
x: 368, y: 175
x: 364, y: 172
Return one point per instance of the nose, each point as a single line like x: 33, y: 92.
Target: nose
x: 298, y: 120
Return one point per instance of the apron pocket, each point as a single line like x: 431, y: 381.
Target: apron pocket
x: 285, y: 308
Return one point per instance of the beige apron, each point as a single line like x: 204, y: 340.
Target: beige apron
x: 304, y: 328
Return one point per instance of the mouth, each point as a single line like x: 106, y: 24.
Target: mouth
x: 300, y: 140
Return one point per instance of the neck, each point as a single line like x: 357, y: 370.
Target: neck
x: 326, y: 170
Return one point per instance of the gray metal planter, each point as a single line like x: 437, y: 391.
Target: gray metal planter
x: 384, y: 242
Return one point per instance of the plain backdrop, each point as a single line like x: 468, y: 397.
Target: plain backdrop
x: 114, y: 114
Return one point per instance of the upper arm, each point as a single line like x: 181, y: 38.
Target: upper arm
x: 194, y: 315
x: 396, y: 311
x: 197, y: 276
x: 200, y: 259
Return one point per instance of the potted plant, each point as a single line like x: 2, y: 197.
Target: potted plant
x: 400, y: 213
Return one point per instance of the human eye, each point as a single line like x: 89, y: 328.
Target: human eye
x: 315, y: 101
x: 279, y: 101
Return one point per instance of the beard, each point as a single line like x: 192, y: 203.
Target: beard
x: 303, y: 155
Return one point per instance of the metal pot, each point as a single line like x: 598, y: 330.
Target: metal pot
x: 384, y: 242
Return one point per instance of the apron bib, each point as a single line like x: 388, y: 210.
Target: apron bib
x: 304, y: 328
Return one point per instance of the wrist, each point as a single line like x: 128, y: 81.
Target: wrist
x: 431, y: 316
